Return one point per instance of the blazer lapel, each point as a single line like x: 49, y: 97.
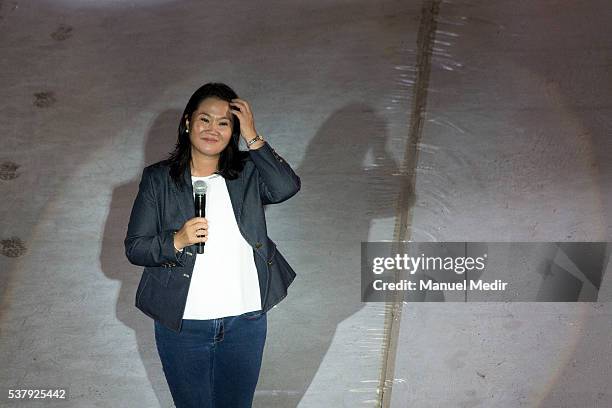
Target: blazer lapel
x: 185, y: 196
x: 187, y: 204
x: 236, y: 190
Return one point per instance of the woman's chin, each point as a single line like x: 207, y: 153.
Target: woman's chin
x: 210, y: 151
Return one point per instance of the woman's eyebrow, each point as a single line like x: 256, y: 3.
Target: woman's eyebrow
x: 212, y: 116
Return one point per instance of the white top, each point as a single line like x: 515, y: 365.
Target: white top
x: 224, y: 280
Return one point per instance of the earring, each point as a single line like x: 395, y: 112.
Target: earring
x: 187, y: 125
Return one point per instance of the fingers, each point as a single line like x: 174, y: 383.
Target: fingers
x: 199, y: 222
x: 239, y: 102
x: 200, y: 229
x: 197, y: 230
x: 200, y: 235
x: 242, y: 104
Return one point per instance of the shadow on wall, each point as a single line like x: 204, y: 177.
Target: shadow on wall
x: 348, y: 180
x: 159, y: 141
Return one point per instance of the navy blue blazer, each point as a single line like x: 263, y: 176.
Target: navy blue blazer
x: 160, y: 209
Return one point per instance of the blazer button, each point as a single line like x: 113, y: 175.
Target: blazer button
x: 185, y: 275
x: 269, y: 262
x: 258, y: 245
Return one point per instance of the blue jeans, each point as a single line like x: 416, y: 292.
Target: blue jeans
x: 213, y: 363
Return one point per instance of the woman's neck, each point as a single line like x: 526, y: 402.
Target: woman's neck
x: 203, y: 168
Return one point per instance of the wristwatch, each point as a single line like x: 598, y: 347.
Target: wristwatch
x: 253, y: 140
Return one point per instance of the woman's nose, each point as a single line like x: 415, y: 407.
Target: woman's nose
x: 211, y: 125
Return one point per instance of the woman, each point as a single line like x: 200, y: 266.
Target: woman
x: 210, y: 309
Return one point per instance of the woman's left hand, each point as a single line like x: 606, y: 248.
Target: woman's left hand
x: 242, y: 110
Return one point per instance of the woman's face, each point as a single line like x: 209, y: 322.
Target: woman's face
x: 210, y: 127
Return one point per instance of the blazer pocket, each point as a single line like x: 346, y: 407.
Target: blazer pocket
x: 160, y: 274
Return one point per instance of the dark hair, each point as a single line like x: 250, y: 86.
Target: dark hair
x: 231, y: 158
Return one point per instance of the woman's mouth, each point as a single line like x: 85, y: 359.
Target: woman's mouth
x: 209, y: 139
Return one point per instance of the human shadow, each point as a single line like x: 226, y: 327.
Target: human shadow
x: 115, y: 265
x: 349, y: 179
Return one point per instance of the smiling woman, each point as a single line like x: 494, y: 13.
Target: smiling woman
x: 210, y: 309
x: 210, y: 131
x: 208, y: 135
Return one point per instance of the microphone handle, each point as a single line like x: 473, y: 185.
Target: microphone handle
x: 200, y: 209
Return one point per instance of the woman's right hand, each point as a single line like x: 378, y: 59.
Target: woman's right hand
x: 193, y: 231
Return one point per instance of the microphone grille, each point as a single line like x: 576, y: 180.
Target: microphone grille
x: 199, y: 187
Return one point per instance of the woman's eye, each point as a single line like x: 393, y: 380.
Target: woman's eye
x: 205, y: 120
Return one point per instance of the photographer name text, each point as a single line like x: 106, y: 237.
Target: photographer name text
x: 409, y: 285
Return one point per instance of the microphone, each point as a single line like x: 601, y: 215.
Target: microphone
x: 199, y: 188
